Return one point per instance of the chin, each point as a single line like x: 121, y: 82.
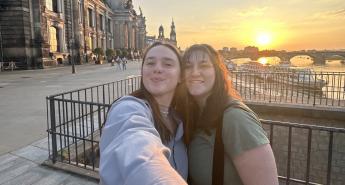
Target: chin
x: 196, y: 94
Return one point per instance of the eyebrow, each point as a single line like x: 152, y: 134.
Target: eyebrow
x: 164, y: 58
x: 150, y: 58
x: 168, y: 59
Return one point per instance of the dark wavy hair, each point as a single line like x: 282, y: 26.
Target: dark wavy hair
x: 142, y: 93
x: 222, y: 92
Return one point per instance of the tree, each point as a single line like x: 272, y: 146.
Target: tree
x: 124, y: 53
x: 118, y: 52
x: 110, y: 53
x: 99, y: 53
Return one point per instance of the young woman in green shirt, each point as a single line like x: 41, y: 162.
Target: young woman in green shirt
x: 248, y: 157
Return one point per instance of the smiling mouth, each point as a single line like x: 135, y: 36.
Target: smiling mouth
x: 157, y: 79
x: 196, y: 81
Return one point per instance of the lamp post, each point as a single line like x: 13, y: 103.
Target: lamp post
x: 72, y: 42
x: 2, y: 52
x: 71, y: 45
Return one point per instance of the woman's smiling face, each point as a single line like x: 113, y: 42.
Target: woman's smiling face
x: 200, y: 75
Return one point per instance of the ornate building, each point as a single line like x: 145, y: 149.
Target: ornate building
x: 36, y: 33
x: 161, y: 37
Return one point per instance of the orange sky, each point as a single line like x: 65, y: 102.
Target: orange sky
x: 283, y: 25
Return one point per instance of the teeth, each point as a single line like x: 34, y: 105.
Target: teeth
x: 196, y: 81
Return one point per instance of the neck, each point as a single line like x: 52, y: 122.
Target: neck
x: 163, y: 101
x: 201, y: 101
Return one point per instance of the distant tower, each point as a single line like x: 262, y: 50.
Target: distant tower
x: 161, y: 33
x: 173, y: 32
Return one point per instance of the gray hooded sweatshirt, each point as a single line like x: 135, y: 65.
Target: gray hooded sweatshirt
x: 132, y: 151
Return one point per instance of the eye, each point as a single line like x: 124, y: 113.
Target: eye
x: 168, y: 64
x: 205, y: 64
x: 149, y: 62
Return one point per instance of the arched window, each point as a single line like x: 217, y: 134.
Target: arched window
x: 89, y: 42
x: 54, y: 39
x: 52, y: 5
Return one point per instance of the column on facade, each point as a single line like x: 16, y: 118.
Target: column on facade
x: 136, y: 34
x: 59, y: 6
x: 116, y: 34
x: 95, y: 15
x: 124, y: 35
x: 76, y: 17
x: 129, y: 35
x: 62, y: 46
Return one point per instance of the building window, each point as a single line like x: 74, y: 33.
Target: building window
x: 101, y: 22
x: 81, y: 12
x: 89, y: 42
x: 90, y: 17
x: 103, y: 43
x: 52, y: 5
x: 93, y: 43
x: 109, y: 25
x: 54, y: 39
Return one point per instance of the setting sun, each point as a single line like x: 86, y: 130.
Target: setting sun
x: 264, y: 39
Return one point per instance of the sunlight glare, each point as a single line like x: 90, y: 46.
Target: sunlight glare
x: 263, y: 61
x: 263, y: 39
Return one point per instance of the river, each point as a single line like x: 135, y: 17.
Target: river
x: 335, y: 88
x: 300, y: 61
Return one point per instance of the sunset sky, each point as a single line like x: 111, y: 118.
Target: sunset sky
x: 268, y: 24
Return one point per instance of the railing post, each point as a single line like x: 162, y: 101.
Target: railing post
x: 53, y: 128
x: 329, y: 165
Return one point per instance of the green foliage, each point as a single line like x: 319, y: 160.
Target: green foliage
x: 118, y: 52
x: 124, y: 52
x: 98, y: 52
x: 109, y: 53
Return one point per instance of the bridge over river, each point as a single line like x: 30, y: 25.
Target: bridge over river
x: 319, y: 57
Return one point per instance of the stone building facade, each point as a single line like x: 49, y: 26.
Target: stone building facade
x: 37, y: 33
x: 172, y: 39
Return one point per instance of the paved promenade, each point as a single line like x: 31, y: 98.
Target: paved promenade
x: 22, y: 97
x: 23, y: 123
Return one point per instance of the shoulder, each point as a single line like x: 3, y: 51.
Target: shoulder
x: 242, y: 131
x: 129, y: 104
x: 238, y: 115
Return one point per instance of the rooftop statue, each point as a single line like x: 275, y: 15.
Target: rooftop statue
x: 141, y: 12
x: 129, y: 4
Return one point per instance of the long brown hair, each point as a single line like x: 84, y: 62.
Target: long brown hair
x: 142, y: 93
x: 222, y: 92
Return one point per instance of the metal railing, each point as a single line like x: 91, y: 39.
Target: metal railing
x: 315, y: 89
x: 74, y: 119
x: 307, y: 154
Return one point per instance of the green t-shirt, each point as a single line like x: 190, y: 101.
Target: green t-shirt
x: 241, y: 132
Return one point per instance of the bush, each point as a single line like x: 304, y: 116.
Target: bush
x: 99, y: 53
x: 118, y: 52
x: 110, y: 53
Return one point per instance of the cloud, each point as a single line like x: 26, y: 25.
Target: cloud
x: 334, y: 14
x: 253, y: 12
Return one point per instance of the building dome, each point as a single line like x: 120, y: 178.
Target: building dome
x: 116, y: 4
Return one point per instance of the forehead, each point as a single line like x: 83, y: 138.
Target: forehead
x: 161, y: 52
x: 199, y: 55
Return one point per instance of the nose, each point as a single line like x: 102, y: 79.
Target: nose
x: 194, y: 70
x: 157, y: 68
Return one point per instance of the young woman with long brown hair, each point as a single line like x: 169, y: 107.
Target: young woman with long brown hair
x: 142, y: 139
x: 223, y: 128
